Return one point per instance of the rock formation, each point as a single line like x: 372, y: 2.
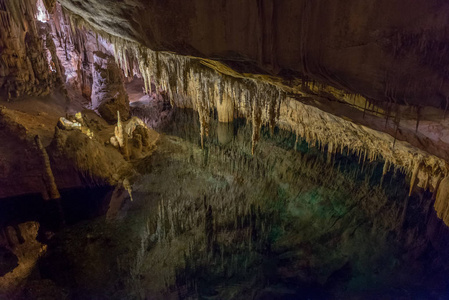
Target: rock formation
x: 51, y: 190
x: 27, y: 66
x: 108, y: 90
x: 27, y: 250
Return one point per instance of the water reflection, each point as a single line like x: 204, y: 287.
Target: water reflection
x: 285, y: 223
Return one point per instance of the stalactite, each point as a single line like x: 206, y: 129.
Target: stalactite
x: 414, y: 175
x: 364, y: 109
x: 385, y: 171
x: 437, y: 185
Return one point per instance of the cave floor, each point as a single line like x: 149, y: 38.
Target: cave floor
x: 219, y: 223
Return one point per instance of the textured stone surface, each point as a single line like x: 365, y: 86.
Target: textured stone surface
x: 76, y: 158
x: 75, y: 49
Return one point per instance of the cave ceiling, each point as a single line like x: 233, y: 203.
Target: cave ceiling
x: 387, y: 51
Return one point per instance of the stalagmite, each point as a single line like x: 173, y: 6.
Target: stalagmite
x: 49, y: 179
x: 127, y: 186
x: 121, y: 137
x: 119, y: 131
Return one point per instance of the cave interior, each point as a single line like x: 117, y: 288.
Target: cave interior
x: 228, y: 149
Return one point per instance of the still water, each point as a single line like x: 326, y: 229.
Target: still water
x: 219, y: 223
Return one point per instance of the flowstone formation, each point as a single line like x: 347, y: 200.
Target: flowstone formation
x: 362, y: 48
x: 96, y: 161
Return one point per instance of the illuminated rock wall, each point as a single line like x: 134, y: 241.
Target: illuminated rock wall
x: 27, y: 67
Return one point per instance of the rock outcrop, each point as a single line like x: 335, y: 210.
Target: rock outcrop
x: 65, y: 156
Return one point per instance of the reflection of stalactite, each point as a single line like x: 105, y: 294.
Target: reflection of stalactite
x: 209, y: 227
x: 243, y: 223
x: 256, y: 118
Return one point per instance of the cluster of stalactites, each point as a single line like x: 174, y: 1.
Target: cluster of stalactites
x: 255, y: 101
x: 188, y: 83
x: 336, y: 135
